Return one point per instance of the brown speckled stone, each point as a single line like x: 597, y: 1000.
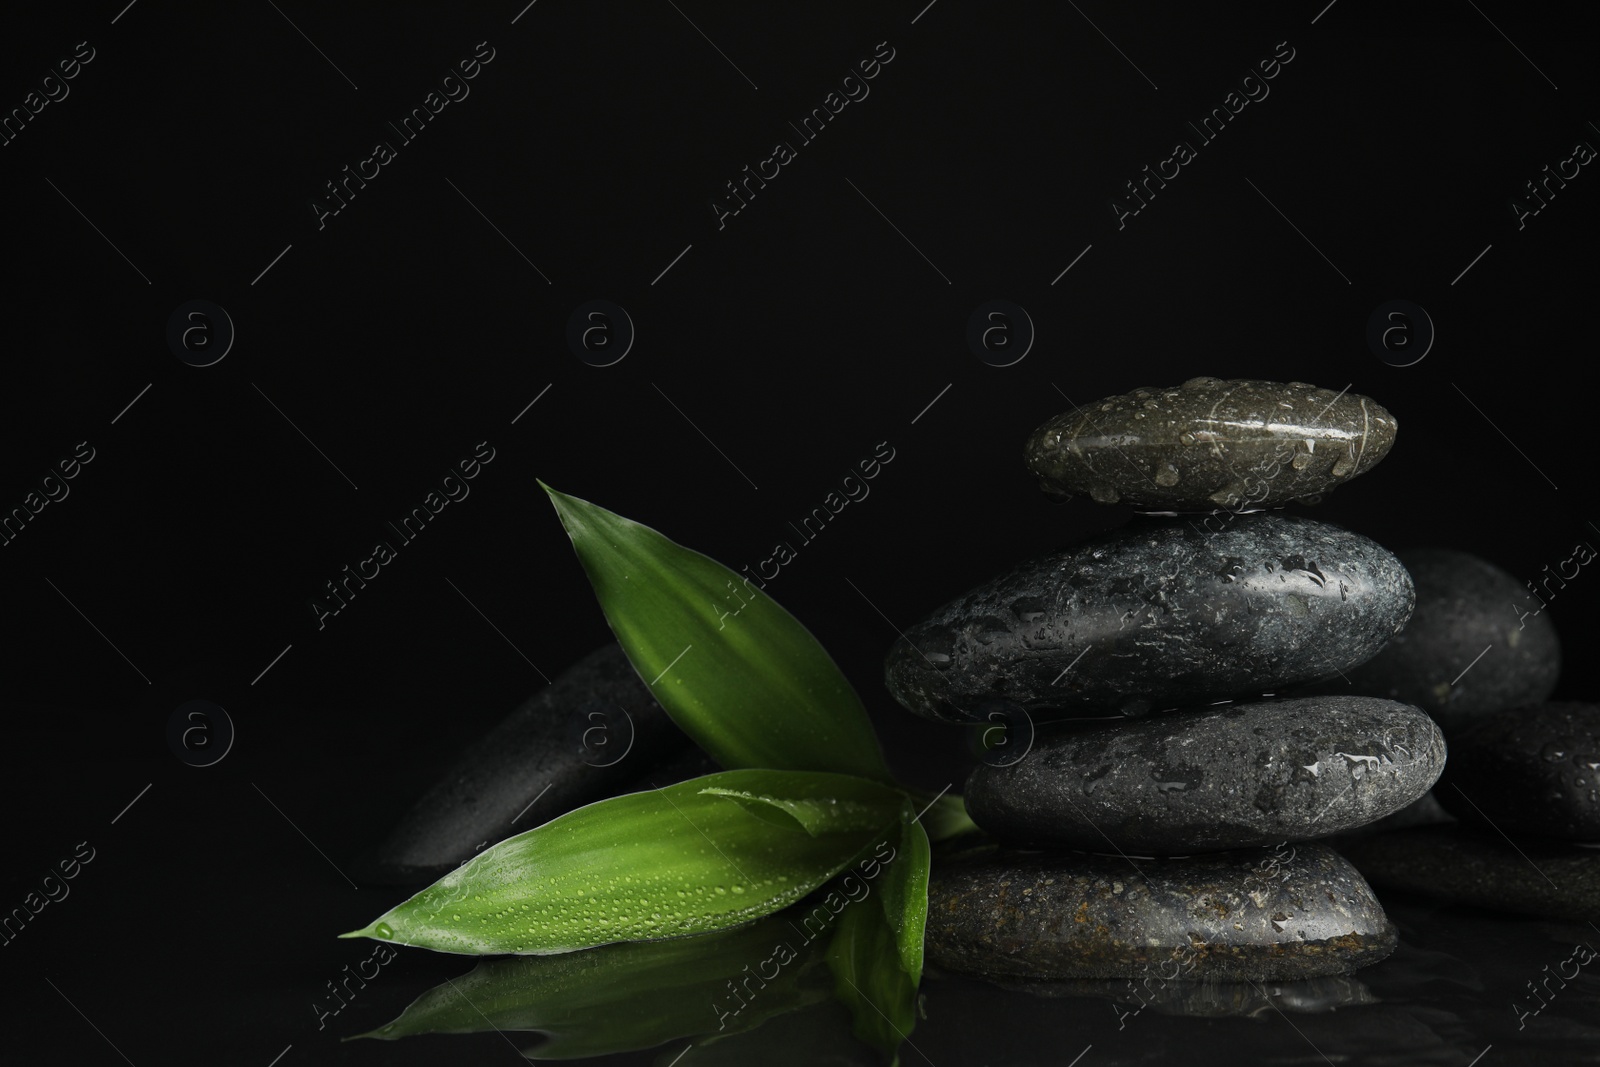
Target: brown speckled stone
x: 1210, y: 443
x: 1259, y: 915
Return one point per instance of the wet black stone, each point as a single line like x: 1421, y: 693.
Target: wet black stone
x: 1198, y: 781
x: 1424, y: 811
x: 1460, y: 865
x: 1530, y: 772
x: 1253, y: 915
x: 1468, y: 620
x: 561, y: 749
x: 1211, y: 443
x: 1158, y: 613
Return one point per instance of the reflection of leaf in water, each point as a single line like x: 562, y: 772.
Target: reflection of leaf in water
x: 817, y: 1035
x: 629, y: 996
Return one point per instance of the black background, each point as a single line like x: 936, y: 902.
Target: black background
x: 772, y: 356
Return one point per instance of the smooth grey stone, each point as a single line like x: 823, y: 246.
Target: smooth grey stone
x: 1201, y: 781
x: 1158, y: 613
x: 1424, y: 811
x: 1462, y: 865
x: 1210, y: 443
x: 1251, y: 915
x: 1468, y: 651
x: 559, y: 750
x: 1529, y: 772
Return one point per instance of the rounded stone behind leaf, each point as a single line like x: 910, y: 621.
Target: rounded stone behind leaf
x: 542, y: 760
x: 1476, y: 644
x: 1223, y: 778
x: 1155, y: 614
x: 1458, y: 864
x: 1529, y: 772
x: 1210, y: 443
x: 1259, y: 915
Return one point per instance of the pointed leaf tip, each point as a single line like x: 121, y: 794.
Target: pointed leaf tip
x: 664, y: 863
x: 736, y: 672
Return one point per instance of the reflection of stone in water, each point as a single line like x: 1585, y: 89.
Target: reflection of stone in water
x: 1308, y: 996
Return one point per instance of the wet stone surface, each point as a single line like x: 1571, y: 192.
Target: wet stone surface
x: 1210, y: 443
x: 1197, y: 781
x: 588, y: 735
x: 1468, y: 651
x: 1530, y: 772
x: 1299, y: 911
x: 1463, y: 865
x: 1158, y: 613
x: 1424, y: 811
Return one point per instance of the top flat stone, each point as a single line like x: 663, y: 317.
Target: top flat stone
x: 1210, y: 443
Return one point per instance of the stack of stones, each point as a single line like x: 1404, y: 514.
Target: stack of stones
x: 1177, y: 826
x: 1525, y: 786
x: 1514, y: 823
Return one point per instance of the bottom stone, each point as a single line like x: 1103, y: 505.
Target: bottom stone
x: 1461, y: 865
x: 1299, y: 911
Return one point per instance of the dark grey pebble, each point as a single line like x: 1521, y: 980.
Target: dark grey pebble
x: 588, y: 735
x: 1425, y: 811
x: 1210, y: 443
x: 1255, y: 915
x: 1475, y: 644
x: 1229, y: 777
x: 1158, y: 613
x: 1530, y: 772
x: 1462, y: 865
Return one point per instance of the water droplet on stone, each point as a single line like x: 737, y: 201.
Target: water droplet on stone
x: 1187, y: 438
x: 1301, y: 461
x: 1343, y: 465
x: 1029, y: 609
x: 1167, y: 475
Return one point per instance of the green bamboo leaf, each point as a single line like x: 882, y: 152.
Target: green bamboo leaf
x: 636, y: 995
x: 945, y: 816
x: 736, y: 672
x: 813, y: 815
x: 868, y: 978
x: 669, y: 862
x: 905, y: 896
